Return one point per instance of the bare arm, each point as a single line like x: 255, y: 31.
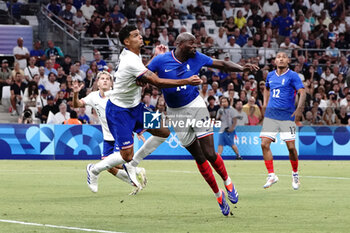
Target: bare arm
x: 300, y: 107
x: 230, y: 66
x: 152, y: 78
x: 233, y: 126
x: 77, y: 103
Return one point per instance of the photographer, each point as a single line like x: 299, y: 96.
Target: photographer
x: 228, y: 117
x: 26, y: 117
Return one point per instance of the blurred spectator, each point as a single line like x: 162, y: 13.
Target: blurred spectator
x: 3, y: 6
x: 17, y: 91
x: 62, y: 115
x: 251, y: 103
x: 31, y: 70
x: 73, y: 119
x: 99, y: 61
x: 265, y: 53
x: 228, y: 11
x: 49, y: 68
x: 197, y: 25
x: 143, y: 7
x: 79, y: 21
x: 38, y: 53
x: 41, y: 102
x: 346, y: 102
x: 5, y: 75
x: 82, y: 116
x: 73, y: 10
x: 30, y: 95
x: 284, y: 23
x: 54, y: 7
x: 55, y: 65
x: 249, y: 50
x: 50, y: 107
x: 118, y: 18
x: 240, y: 20
x: 73, y: 72
x: 83, y: 66
x: 343, y: 116
x: 327, y: 74
x: 52, y: 86
x: 252, y: 118
x: 26, y: 117
x: 103, y: 7
x: 309, y: 119
x: 17, y: 69
x: 88, y: 10
x: 67, y: 62
x: 317, y: 7
x: 289, y: 46
x: 154, y: 96
x: 181, y: 9
x: 94, y: 119
x: 233, y: 49
x: 163, y: 37
x: 216, y: 9
x: 221, y: 39
x: 21, y: 53
x: 53, y: 50
x: 15, y: 9
x: 147, y: 100
x: 329, y: 117
x: 272, y: 7
x: 66, y: 14
x: 242, y: 118
x: 332, y: 52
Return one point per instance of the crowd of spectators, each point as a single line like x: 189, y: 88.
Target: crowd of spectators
x: 315, y: 34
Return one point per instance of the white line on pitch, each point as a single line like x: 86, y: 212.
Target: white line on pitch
x: 54, y: 226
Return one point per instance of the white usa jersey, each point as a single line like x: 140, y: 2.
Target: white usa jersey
x: 126, y: 93
x: 99, y: 103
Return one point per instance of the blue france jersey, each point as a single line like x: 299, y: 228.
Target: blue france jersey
x: 282, y: 94
x: 167, y: 66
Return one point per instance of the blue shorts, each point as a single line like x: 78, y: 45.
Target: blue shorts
x: 108, y: 148
x: 227, y: 139
x: 122, y: 122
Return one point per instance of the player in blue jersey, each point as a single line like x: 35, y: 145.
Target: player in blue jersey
x: 282, y: 85
x: 124, y: 110
x: 186, y: 105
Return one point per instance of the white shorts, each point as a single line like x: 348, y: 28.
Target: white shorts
x: 196, y: 119
x: 272, y: 127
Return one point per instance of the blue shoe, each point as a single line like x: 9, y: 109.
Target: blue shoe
x: 225, y: 208
x: 232, y: 193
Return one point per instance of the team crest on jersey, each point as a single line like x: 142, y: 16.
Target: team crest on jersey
x: 151, y: 120
x: 283, y: 81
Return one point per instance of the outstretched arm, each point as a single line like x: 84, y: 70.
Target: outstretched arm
x: 230, y: 66
x: 77, y: 103
x: 152, y: 78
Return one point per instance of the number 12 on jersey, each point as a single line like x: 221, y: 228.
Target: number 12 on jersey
x: 182, y: 87
x: 276, y: 93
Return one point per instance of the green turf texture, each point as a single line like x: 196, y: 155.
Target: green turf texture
x: 176, y: 199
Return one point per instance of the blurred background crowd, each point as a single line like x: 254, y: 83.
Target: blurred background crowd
x: 315, y: 34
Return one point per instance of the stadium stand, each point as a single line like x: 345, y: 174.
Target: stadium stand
x: 315, y: 33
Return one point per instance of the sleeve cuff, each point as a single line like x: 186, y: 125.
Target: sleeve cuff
x: 140, y: 75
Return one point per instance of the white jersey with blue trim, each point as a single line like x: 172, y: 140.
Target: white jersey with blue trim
x: 126, y: 93
x: 167, y: 66
x: 99, y: 103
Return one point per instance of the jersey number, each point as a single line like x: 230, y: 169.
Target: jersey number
x: 182, y: 87
x: 276, y: 93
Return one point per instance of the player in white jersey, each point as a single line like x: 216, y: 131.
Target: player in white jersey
x: 98, y: 100
x: 124, y: 110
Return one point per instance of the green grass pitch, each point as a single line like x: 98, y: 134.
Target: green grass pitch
x: 176, y: 199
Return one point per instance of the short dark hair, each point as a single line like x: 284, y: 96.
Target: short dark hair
x: 125, y: 32
x: 73, y: 114
x: 211, y: 98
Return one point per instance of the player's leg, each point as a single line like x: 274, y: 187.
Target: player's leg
x: 204, y: 168
x: 235, y: 149
x: 288, y: 135
x: 220, y: 149
x: 158, y: 137
x: 216, y: 161
x: 268, y: 134
x: 122, y: 131
x: 233, y: 145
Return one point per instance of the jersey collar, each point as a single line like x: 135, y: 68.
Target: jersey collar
x: 282, y: 73
x: 173, y: 55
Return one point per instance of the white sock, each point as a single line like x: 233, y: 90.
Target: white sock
x: 123, y: 176
x: 138, y: 170
x: 228, y: 181
x: 147, y: 148
x: 218, y: 194
x: 109, y: 162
